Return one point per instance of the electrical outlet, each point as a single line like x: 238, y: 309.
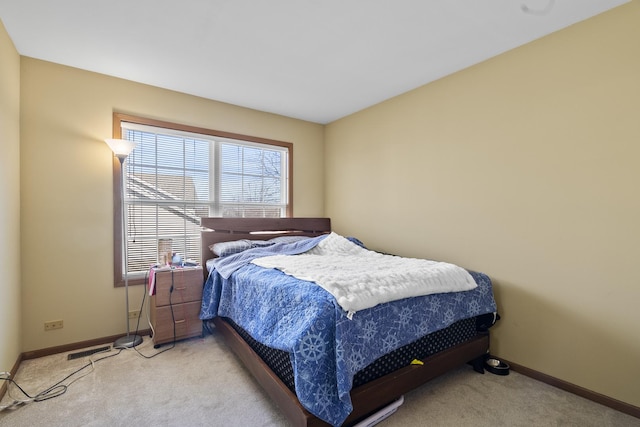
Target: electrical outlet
x: 53, y: 324
x: 134, y: 314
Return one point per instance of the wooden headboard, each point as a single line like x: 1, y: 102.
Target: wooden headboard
x: 226, y: 229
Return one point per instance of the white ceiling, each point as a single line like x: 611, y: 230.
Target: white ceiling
x: 317, y: 60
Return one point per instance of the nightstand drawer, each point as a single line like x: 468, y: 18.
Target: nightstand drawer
x: 185, y: 317
x: 187, y: 285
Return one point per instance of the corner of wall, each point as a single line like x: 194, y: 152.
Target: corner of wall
x: 10, y: 285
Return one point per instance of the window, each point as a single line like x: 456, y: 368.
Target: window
x: 177, y: 174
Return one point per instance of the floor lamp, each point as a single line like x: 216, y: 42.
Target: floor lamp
x: 121, y: 149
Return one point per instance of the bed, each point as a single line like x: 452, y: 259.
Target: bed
x: 318, y: 372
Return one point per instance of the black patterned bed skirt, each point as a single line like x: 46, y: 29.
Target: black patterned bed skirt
x: 279, y: 361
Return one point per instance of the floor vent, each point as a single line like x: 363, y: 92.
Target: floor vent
x: 87, y: 352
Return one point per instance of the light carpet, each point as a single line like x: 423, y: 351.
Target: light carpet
x: 201, y: 383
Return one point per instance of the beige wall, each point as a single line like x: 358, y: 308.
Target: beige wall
x: 524, y: 167
x: 67, y: 208
x: 10, y: 305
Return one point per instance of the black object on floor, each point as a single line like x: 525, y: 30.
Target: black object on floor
x: 496, y: 366
x: 87, y: 352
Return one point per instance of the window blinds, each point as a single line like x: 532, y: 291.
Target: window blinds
x: 172, y: 178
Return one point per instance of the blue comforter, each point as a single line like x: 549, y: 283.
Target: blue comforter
x: 327, y: 348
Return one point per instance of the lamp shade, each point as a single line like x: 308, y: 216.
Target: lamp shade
x: 121, y: 147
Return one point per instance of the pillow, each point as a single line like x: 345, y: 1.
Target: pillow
x: 230, y: 248
x: 236, y: 246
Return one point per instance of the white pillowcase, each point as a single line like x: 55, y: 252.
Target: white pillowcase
x: 236, y: 246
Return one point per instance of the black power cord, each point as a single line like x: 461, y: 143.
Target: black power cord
x: 144, y: 296
x: 56, y: 390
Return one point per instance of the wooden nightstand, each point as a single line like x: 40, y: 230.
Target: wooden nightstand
x: 177, y: 301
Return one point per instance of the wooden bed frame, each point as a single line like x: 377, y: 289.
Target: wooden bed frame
x: 367, y: 398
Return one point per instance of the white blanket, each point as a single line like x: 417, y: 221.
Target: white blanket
x: 359, y: 278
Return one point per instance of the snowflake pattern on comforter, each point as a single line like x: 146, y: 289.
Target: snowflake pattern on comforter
x: 326, y: 348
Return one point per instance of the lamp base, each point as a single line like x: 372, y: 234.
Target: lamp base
x: 128, y: 341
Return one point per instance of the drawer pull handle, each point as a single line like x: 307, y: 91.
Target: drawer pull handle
x: 181, y: 289
x: 180, y: 321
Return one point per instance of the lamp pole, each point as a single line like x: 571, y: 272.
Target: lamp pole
x: 121, y: 149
